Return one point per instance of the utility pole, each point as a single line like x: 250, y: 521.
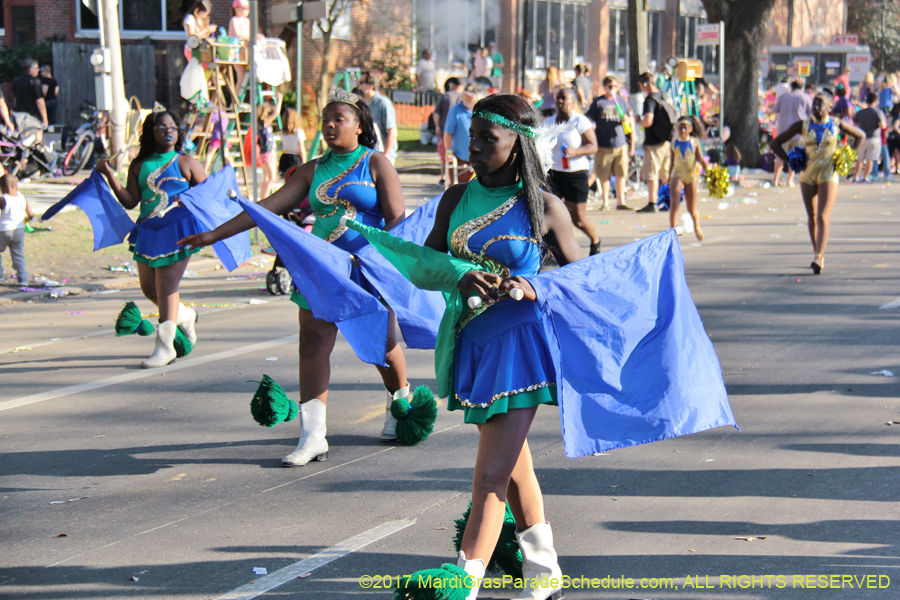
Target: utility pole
x: 109, y: 15
x: 637, y: 43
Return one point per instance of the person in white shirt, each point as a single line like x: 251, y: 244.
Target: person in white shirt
x: 425, y: 73
x: 571, y: 165
x: 488, y: 63
x: 14, y: 208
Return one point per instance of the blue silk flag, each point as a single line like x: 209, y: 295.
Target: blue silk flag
x: 633, y: 362
x: 322, y: 272
x: 108, y: 219
x: 210, y: 205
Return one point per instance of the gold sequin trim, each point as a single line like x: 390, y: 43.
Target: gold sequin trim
x: 349, y: 210
x: 506, y: 237
x: 474, y: 313
x: 459, y: 240
x: 157, y: 190
x: 529, y: 388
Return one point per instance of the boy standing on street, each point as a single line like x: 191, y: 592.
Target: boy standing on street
x: 13, y: 210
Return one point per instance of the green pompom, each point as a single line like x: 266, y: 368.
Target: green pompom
x: 507, y: 556
x: 447, y: 583
x: 270, y: 405
x: 416, y: 417
x: 130, y: 321
x: 183, y: 345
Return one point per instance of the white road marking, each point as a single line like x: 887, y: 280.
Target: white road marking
x: 894, y: 304
x: 291, y: 572
x: 142, y: 373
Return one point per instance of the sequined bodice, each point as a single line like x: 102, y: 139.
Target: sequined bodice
x: 820, y: 142
x: 500, y: 238
x: 351, y: 192
x: 160, y: 180
x: 685, y: 156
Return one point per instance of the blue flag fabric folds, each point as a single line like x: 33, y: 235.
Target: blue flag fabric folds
x: 418, y: 311
x: 634, y: 364
x: 210, y: 205
x: 322, y: 272
x: 108, y: 219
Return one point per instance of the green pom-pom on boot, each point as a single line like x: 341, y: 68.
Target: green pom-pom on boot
x: 270, y: 405
x: 446, y: 583
x: 183, y: 345
x: 415, y: 417
x: 130, y: 321
x: 507, y: 556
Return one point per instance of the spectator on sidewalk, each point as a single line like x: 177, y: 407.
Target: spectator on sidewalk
x: 29, y: 93
x: 657, y: 126
x: 452, y: 91
x: 425, y: 73
x: 612, y: 155
x: 14, y: 208
x: 584, y: 85
x: 456, y: 134
x: 382, y: 111
x: 4, y: 115
x: 790, y: 108
x: 497, y: 61
x: 871, y: 121
x: 50, y: 88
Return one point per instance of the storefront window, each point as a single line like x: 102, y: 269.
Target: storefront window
x: 556, y: 34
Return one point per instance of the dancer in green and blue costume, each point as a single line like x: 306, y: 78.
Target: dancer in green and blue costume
x: 156, y: 176
x: 350, y: 179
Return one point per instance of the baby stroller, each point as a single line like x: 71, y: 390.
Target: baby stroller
x: 278, y: 280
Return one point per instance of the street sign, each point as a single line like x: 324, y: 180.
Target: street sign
x: 707, y: 35
x: 302, y: 11
x: 845, y: 39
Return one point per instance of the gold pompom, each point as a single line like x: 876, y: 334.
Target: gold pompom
x: 717, y: 181
x: 844, y: 161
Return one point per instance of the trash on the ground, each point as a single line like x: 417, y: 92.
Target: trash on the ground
x: 19, y: 349
x: 217, y: 268
x: 133, y: 578
x: 123, y: 268
x: 753, y: 194
x: 62, y: 535
x: 692, y: 550
x: 58, y: 502
x: 59, y: 293
x: 638, y: 227
x: 710, y: 460
x: 771, y: 209
x: 97, y: 437
x: 260, y: 571
x: 884, y: 372
x: 601, y: 454
x: 272, y: 358
x: 774, y: 235
x: 251, y: 301
x: 102, y: 292
x: 188, y: 275
x: 77, y: 499
x: 603, y: 222
x: 41, y: 280
x: 751, y: 538
x: 893, y: 423
x: 239, y: 277
x: 305, y: 575
x: 724, y: 205
x: 77, y: 312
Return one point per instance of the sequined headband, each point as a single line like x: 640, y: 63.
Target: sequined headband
x: 507, y: 123
x: 343, y: 96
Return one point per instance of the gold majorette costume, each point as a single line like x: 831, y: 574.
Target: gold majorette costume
x: 686, y: 167
x: 820, y: 141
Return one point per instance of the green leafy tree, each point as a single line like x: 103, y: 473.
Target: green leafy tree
x: 878, y: 24
x: 394, y: 67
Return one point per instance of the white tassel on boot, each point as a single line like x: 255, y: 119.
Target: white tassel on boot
x: 186, y: 321
x: 539, y: 564
x: 474, y: 568
x: 312, y: 445
x: 165, y: 348
x: 389, y: 431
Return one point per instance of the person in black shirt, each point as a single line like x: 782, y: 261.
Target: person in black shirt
x: 30, y: 95
x: 49, y: 87
x: 608, y: 113
x: 656, y: 150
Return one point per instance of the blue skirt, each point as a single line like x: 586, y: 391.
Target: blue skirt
x: 502, y: 362
x: 155, y: 241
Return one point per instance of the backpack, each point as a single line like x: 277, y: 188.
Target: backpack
x: 664, y: 118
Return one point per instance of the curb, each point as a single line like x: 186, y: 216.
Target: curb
x: 207, y: 264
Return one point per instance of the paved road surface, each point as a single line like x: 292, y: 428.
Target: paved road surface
x: 117, y: 482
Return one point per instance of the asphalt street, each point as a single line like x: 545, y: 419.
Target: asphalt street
x: 118, y: 482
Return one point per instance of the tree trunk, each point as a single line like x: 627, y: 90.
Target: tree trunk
x: 745, y: 29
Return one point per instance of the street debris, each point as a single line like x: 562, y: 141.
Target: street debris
x: 884, y: 372
x: 19, y: 349
x: 751, y: 538
x: 251, y: 301
x: 260, y: 571
x: 272, y: 358
x: 62, y: 535
x: 77, y: 312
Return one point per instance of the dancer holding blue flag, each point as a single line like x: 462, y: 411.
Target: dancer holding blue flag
x: 351, y: 179
x: 159, y: 173
x: 614, y: 339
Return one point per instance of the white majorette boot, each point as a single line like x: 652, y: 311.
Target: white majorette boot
x: 539, y: 562
x: 389, y: 431
x: 187, y: 319
x: 313, y: 445
x: 473, y: 568
x: 165, y: 349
